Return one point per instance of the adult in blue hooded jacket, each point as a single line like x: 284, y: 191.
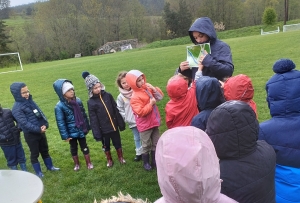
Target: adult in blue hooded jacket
x: 218, y: 64
x: 283, y: 129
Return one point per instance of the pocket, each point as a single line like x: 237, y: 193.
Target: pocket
x: 5, y: 139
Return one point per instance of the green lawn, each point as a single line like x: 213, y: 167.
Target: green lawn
x: 253, y: 56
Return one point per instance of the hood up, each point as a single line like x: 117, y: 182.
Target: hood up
x: 187, y: 167
x: 233, y: 128
x: 177, y: 87
x: 57, y: 85
x: 15, y: 90
x: 203, y: 25
x: 131, y: 78
x: 208, y: 93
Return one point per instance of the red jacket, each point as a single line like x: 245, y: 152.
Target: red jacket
x: 147, y: 116
x: 182, y: 106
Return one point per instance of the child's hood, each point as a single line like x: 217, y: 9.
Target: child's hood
x: 177, y: 87
x: 15, y: 90
x: 131, y: 78
x: 57, y: 85
x: 203, y: 25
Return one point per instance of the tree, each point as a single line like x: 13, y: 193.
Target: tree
x: 4, y: 38
x: 269, y: 17
x: 4, y: 9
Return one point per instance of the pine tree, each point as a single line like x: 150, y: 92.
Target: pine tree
x: 4, y: 39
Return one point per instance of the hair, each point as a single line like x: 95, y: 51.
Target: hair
x: 120, y: 77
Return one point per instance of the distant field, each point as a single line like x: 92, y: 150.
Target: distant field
x: 253, y: 56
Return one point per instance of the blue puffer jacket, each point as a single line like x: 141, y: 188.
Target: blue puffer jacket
x: 218, y: 64
x: 283, y: 129
x: 23, y: 111
x: 64, y: 114
x: 9, y: 132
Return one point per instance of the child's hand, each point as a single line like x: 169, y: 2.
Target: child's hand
x: 222, y: 83
x: 152, y: 101
x: 68, y: 139
x: 184, y: 65
x: 43, y: 129
x: 202, y: 57
x: 151, y: 87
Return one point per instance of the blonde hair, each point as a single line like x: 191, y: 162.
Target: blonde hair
x: 120, y: 77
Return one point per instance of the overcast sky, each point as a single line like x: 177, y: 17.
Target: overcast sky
x: 20, y: 2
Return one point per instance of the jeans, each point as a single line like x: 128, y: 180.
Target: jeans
x: 14, y: 154
x: 136, y: 137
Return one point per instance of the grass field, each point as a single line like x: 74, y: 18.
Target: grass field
x: 253, y: 56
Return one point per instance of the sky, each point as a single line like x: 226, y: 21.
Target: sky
x: 20, y: 2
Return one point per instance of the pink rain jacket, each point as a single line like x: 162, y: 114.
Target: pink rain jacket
x: 188, y: 167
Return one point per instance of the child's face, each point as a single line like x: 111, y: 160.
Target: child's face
x: 69, y: 94
x: 124, y: 84
x: 25, y: 92
x: 200, y: 37
x: 140, y: 81
x: 97, y: 88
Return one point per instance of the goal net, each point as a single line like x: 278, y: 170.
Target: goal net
x: 291, y: 27
x: 10, y: 62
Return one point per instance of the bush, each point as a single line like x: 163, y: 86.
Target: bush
x: 269, y: 16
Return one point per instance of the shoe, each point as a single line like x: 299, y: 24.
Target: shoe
x: 23, y: 167
x: 120, y: 156
x: 76, y: 162
x: 88, y: 161
x: 138, y: 157
x: 146, y: 157
x: 110, y: 162
x: 37, y: 169
x: 49, y: 165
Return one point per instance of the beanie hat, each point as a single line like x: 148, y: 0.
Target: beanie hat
x: 91, y: 80
x: 66, y: 87
x: 283, y: 66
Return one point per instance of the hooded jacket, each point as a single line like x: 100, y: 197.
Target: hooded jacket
x: 182, y: 106
x: 240, y: 88
x: 283, y: 129
x: 146, y: 115
x: 64, y: 114
x: 188, y: 168
x: 23, y: 109
x: 218, y: 64
x: 247, y: 166
x: 9, y: 132
x: 209, y: 95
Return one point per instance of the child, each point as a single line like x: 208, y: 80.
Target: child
x: 10, y: 141
x: 123, y: 103
x: 146, y: 113
x: 104, y: 116
x: 182, y: 106
x: 33, y: 123
x: 72, y: 120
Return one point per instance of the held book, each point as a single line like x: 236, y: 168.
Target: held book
x: 195, y: 51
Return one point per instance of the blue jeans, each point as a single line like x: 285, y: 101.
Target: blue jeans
x: 14, y: 154
x: 136, y: 137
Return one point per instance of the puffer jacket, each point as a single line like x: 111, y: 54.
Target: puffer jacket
x: 218, y: 64
x: 247, y: 165
x: 182, y: 106
x: 123, y: 103
x: 283, y: 129
x: 209, y: 95
x: 104, y: 115
x: 9, y: 132
x: 146, y: 115
x: 64, y: 114
x: 240, y: 88
x: 23, y: 113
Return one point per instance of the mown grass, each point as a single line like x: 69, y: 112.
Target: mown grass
x: 253, y: 56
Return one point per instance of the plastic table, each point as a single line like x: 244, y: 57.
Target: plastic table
x: 20, y: 186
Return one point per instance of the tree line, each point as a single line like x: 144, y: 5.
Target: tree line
x: 60, y: 29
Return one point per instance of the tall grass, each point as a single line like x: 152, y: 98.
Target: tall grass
x: 253, y: 56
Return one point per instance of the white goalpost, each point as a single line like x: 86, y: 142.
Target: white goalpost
x: 10, y: 61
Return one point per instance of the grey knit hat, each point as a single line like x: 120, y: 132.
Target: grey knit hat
x: 91, y: 80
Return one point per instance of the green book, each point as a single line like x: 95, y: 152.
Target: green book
x: 195, y: 51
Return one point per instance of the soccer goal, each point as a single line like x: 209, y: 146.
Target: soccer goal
x: 291, y: 27
x: 10, y: 62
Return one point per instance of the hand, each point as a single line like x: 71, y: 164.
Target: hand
x: 152, y: 101
x: 202, y: 57
x: 43, y: 129
x: 68, y: 139
x: 151, y: 87
x: 222, y: 83
x: 184, y: 65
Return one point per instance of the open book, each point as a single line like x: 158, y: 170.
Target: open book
x: 195, y: 51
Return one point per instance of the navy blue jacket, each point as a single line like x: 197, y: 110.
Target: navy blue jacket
x: 64, y: 114
x: 104, y: 115
x: 9, y: 132
x: 209, y: 95
x: 23, y: 111
x: 247, y: 166
x: 218, y: 64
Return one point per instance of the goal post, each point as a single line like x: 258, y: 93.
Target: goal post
x: 10, y: 62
